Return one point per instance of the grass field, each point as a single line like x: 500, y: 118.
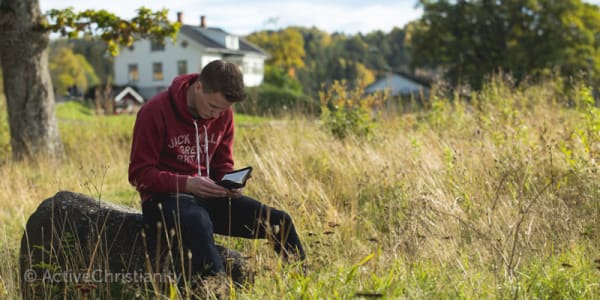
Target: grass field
x: 492, y: 197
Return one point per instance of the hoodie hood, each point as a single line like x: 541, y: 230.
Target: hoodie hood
x: 178, y: 94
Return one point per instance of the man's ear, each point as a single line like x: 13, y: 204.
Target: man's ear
x: 198, y: 86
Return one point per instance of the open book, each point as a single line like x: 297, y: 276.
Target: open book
x: 236, y: 179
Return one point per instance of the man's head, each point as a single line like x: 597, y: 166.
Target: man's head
x: 219, y: 85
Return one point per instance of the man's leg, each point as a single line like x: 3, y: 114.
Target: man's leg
x: 192, y: 224
x: 248, y: 218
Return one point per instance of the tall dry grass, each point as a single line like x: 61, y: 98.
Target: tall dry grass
x: 486, y: 195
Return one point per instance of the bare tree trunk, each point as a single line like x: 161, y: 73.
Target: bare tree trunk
x: 27, y: 84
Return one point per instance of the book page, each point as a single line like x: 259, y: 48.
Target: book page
x: 236, y: 177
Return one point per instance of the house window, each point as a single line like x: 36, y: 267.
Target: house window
x: 157, y: 46
x: 157, y: 71
x: 181, y: 67
x: 133, y: 74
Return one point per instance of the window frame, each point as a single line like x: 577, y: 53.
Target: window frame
x: 157, y: 75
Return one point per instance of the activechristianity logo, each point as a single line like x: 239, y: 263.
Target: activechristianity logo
x: 97, y: 276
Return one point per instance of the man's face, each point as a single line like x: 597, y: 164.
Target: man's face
x: 206, y: 105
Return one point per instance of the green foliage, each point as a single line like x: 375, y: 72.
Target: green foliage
x: 352, y: 71
x: 564, y: 276
x: 286, y: 47
x: 317, y: 57
x: 587, y: 104
x: 471, y: 197
x: 5, y: 147
x: 279, y: 77
x: 342, y: 58
x: 346, y: 113
x: 95, y: 52
x: 587, y: 134
x: 473, y: 39
x: 268, y: 99
x: 111, y: 28
x: 68, y: 69
x: 74, y: 110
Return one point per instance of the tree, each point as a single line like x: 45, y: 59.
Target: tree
x: 325, y: 58
x: 94, y: 50
x: 70, y: 70
x: 1, y: 84
x: 316, y: 60
x: 24, y: 38
x: 473, y: 39
x: 286, y: 47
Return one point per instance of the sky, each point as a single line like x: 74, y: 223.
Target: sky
x: 244, y: 17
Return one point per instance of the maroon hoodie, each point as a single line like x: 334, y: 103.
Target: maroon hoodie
x: 168, y: 142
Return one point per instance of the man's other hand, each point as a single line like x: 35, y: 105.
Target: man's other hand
x: 205, y: 187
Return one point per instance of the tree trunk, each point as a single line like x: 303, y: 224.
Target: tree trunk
x: 27, y: 84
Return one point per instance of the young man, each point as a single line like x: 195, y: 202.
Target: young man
x: 182, y: 144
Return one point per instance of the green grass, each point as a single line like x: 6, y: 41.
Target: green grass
x: 491, y: 197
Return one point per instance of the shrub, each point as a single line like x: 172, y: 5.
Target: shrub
x: 352, y: 112
x: 268, y: 99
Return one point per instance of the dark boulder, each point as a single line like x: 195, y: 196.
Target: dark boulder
x: 74, y: 244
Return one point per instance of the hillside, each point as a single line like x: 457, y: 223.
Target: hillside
x: 490, y: 195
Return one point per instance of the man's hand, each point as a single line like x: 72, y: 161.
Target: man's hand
x: 235, y: 193
x: 207, y: 188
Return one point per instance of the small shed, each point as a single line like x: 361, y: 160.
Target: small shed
x: 401, y: 84
x: 127, y: 100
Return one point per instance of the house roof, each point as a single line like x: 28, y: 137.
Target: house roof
x: 202, y: 36
x: 426, y: 82
x: 129, y: 91
x: 399, y: 83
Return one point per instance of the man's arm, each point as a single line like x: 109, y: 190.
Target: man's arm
x: 222, y: 160
x: 148, y: 140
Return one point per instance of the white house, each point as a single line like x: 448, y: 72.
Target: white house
x: 152, y: 66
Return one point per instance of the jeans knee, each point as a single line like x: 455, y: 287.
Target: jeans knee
x: 197, y: 221
x: 282, y: 219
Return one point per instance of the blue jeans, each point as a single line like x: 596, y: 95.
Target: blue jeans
x: 197, y: 219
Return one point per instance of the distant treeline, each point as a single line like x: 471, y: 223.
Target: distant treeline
x: 302, y: 59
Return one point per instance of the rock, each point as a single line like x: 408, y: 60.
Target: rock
x: 74, y: 244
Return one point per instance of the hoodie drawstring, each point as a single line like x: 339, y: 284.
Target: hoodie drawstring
x: 205, y: 150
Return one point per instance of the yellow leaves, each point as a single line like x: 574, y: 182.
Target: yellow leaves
x: 365, y: 76
x: 123, y: 25
x: 112, y: 47
x: 350, y: 112
x: 286, y: 47
x: 112, y: 29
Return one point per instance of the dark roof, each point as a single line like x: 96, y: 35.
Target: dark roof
x: 395, y: 87
x: 200, y: 35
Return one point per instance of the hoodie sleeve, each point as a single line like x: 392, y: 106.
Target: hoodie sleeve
x: 148, y: 140
x: 222, y: 160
